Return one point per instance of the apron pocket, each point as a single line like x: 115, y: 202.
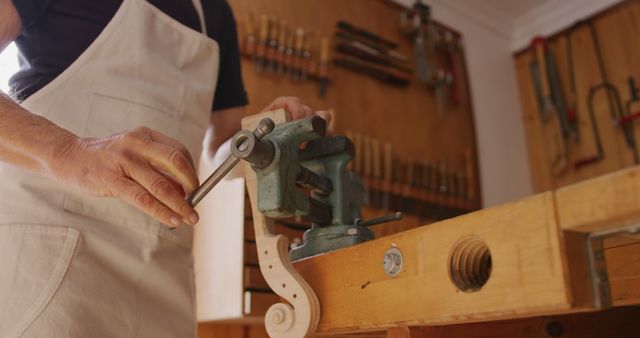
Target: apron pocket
x: 33, y: 262
x: 110, y: 115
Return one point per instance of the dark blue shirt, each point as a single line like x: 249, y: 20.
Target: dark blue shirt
x: 55, y: 33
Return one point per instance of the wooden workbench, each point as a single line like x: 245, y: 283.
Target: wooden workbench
x: 552, y: 253
x: 557, y: 265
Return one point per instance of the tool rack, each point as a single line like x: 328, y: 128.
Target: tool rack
x: 604, y: 142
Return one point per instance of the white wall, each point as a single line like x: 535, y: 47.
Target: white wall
x: 553, y: 16
x: 504, y: 165
x: 8, y: 65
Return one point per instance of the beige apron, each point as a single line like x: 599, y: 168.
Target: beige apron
x: 78, y: 266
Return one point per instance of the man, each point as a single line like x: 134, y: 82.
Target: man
x: 114, y: 99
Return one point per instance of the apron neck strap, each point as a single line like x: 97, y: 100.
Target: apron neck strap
x: 198, y: 5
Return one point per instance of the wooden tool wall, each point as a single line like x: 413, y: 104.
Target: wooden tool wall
x: 618, y: 30
x: 406, y: 117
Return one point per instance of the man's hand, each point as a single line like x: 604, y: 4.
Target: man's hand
x: 225, y: 123
x: 143, y: 167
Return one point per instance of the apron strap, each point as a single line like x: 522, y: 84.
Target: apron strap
x: 198, y: 5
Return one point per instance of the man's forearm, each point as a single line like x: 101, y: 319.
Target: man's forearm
x: 27, y: 140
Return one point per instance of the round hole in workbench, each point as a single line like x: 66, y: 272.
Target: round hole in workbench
x: 470, y: 263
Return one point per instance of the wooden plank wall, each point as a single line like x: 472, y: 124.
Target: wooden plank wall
x: 406, y: 117
x: 619, y: 33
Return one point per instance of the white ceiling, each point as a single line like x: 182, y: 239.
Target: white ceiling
x: 519, y: 20
x: 512, y: 8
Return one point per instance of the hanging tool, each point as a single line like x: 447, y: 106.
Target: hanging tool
x: 272, y: 49
x: 387, y: 176
x: 298, y: 54
x: 361, y: 51
x: 599, y: 155
x: 366, y: 35
x: 417, y: 23
x: 550, y: 117
x: 383, y: 75
x: 452, y: 68
x: 290, y: 53
x: 393, y: 54
x: 376, y: 158
x: 323, y: 73
x: 282, y: 47
x: 572, y: 105
x: 306, y: 55
x: 634, y: 97
x: 367, y: 170
x: 557, y: 95
x: 613, y: 96
x: 249, y: 45
x: 263, y: 43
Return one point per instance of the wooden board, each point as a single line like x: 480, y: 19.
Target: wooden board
x: 598, y: 202
x: 618, y: 34
x: 356, y: 294
x: 529, y: 277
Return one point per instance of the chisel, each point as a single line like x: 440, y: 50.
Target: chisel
x: 305, y: 65
x: 263, y: 42
x: 282, y: 47
x: 297, y: 54
x: 249, y: 45
x: 272, y: 49
x: 376, y: 158
x: 323, y: 73
x: 388, y: 176
x: 377, y: 73
x: 367, y: 169
x: 289, y: 53
x: 361, y: 51
x: 364, y: 34
x: 389, y: 52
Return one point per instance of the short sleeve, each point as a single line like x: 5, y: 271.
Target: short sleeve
x: 30, y: 10
x: 221, y: 26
